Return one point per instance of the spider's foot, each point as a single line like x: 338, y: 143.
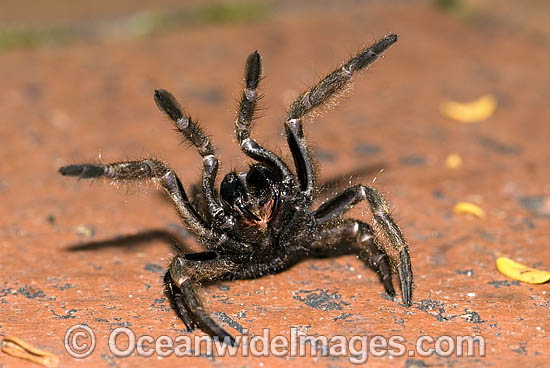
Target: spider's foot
x: 226, y: 339
x: 388, y: 285
x: 168, y: 104
x: 209, y: 326
x: 380, y: 262
x: 84, y: 171
x: 405, y: 277
x: 190, y: 325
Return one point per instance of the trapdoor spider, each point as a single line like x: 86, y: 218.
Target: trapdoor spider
x: 261, y: 222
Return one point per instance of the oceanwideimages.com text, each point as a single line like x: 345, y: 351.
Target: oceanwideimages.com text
x: 80, y: 342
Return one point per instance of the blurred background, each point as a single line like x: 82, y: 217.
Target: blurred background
x: 455, y: 112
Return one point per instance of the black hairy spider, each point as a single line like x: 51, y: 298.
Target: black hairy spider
x: 261, y: 222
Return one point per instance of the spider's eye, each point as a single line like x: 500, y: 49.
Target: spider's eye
x: 231, y: 189
x: 260, y: 178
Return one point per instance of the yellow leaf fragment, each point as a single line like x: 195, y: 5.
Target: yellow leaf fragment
x: 470, y: 112
x: 453, y: 161
x: 467, y: 207
x: 520, y: 272
x: 20, y: 349
x: 85, y: 231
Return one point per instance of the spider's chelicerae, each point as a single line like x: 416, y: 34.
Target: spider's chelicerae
x: 261, y: 222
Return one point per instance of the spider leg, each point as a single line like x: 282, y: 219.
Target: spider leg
x: 168, y: 104
x: 338, y: 79
x: 245, y: 116
x: 185, y: 274
x: 176, y: 299
x: 387, y: 231
x: 319, y: 94
x: 305, y: 169
x: 142, y: 170
x: 357, y: 237
x: 196, y: 198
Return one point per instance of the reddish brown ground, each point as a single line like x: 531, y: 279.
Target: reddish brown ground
x: 74, y: 103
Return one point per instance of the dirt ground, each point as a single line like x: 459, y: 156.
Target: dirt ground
x: 68, y: 255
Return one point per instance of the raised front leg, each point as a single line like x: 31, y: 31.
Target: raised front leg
x: 245, y: 116
x: 338, y: 79
x: 168, y: 104
x: 317, y: 96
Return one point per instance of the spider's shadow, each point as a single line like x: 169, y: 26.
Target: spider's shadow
x: 132, y: 241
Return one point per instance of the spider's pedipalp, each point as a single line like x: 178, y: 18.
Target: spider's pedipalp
x: 259, y: 153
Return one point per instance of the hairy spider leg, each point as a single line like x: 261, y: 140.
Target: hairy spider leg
x: 178, y: 303
x: 189, y: 308
x: 305, y: 168
x: 382, y: 221
x: 357, y: 237
x: 245, y: 116
x: 316, y: 96
x: 142, y: 170
x: 168, y: 104
x: 185, y: 273
x: 338, y: 79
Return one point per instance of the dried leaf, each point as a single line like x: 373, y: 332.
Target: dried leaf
x: 85, y: 231
x: 520, y: 272
x: 467, y: 207
x: 453, y: 161
x: 19, y: 349
x: 471, y: 112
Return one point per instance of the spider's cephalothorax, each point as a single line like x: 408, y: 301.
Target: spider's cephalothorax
x: 262, y: 221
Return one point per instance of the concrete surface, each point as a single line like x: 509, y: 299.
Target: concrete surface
x: 92, y: 101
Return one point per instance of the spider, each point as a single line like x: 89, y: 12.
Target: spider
x: 261, y: 222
